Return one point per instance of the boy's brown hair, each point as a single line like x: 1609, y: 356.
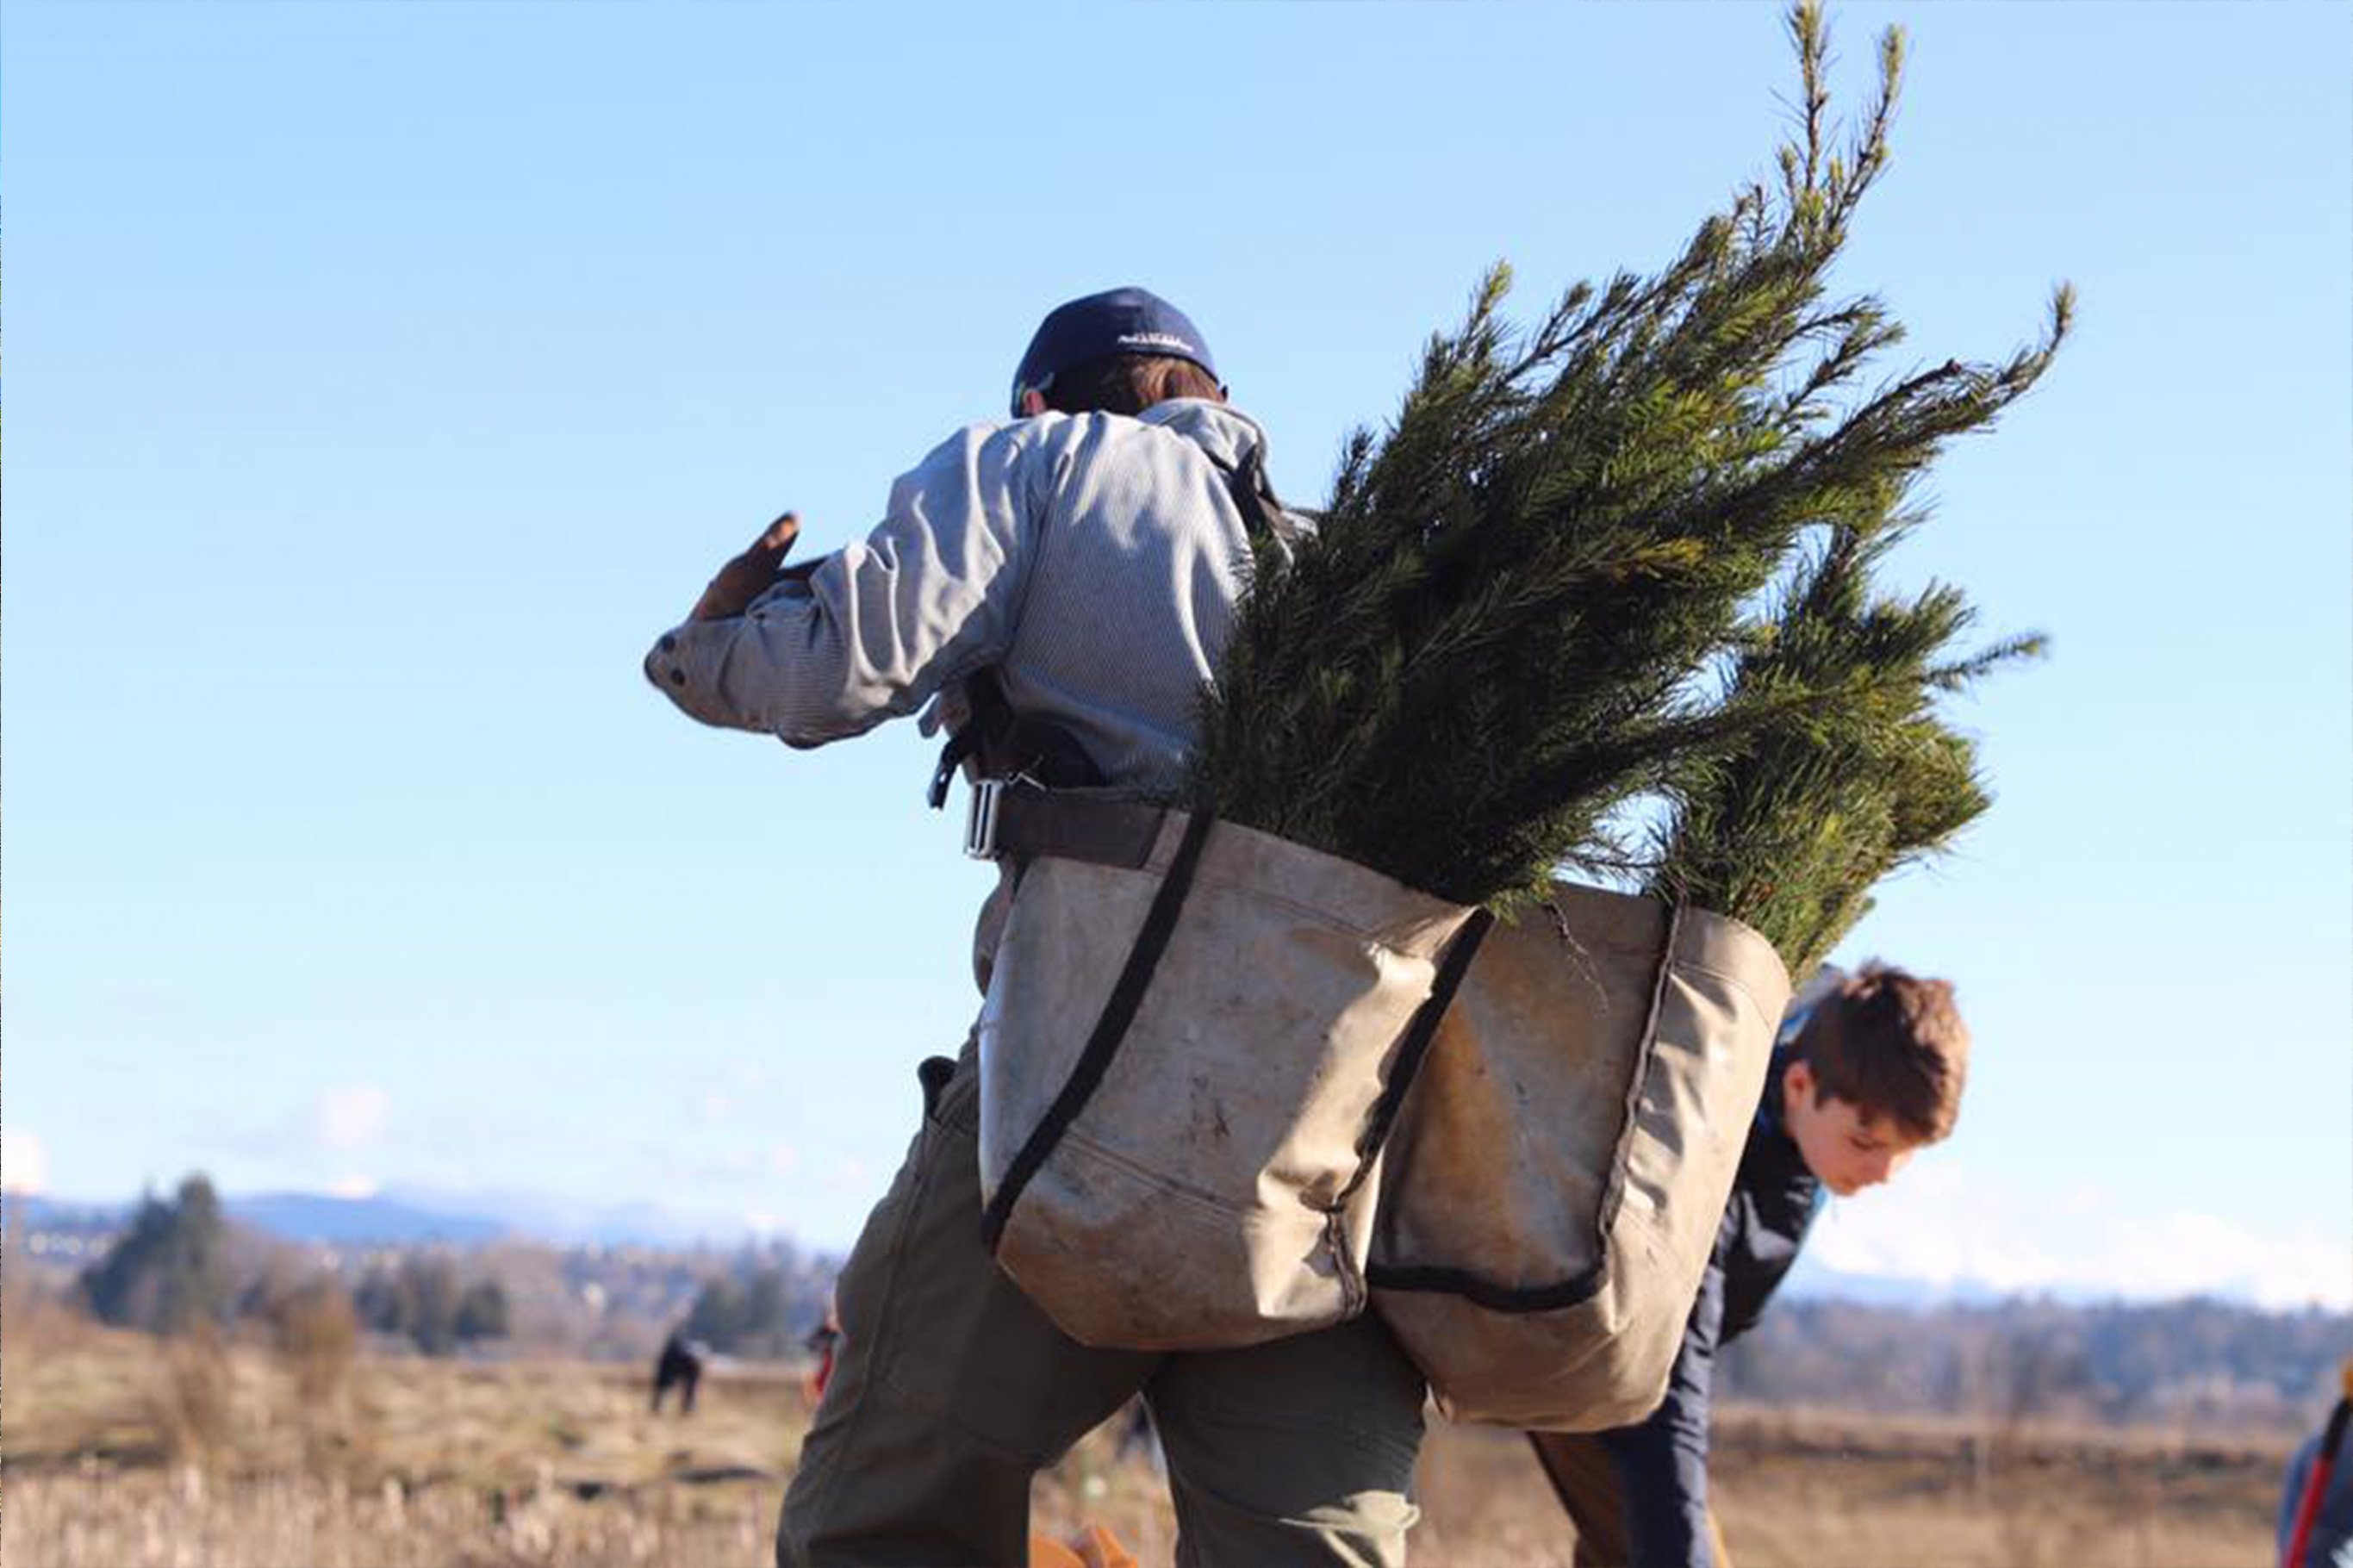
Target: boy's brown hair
x: 1891, y: 1045
x: 1129, y: 383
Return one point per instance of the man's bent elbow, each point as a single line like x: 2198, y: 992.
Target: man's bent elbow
x: 808, y: 729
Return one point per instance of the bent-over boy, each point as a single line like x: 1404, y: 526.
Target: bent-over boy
x: 1866, y: 1077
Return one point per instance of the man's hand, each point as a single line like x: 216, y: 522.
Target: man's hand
x: 749, y: 574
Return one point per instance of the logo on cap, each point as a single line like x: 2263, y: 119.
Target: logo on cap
x: 1119, y: 320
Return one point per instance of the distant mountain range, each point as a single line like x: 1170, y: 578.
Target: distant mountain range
x: 576, y: 1222
x: 291, y: 1216
x: 411, y: 1217
x: 1813, y: 1280
x: 345, y: 1221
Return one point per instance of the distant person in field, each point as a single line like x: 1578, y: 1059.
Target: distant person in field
x: 1866, y: 1074
x: 679, y: 1366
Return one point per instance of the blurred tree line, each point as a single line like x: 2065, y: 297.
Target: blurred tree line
x: 169, y: 1273
x: 755, y: 1313
x: 2200, y: 1360
x: 423, y: 1302
x: 179, y: 1267
x: 175, y: 1270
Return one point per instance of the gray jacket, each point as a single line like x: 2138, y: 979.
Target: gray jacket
x: 1093, y: 560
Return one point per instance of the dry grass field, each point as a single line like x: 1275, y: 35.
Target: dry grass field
x: 118, y: 1454
x: 1843, y: 1491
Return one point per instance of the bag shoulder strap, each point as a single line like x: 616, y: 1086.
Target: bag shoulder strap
x: 1262, y: 515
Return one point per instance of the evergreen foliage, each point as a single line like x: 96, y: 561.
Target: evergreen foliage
x: 1789, y: 832
x: 1498, y: 635
x: 169, y: 1273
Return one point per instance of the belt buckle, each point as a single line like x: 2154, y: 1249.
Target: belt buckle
x: 980, y: 819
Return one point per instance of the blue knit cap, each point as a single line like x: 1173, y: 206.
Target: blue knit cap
x: 1118, y: 322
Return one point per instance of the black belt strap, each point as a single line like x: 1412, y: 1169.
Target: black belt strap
x: 1100, y: 832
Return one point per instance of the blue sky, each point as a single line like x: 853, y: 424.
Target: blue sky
x: 384, y: 377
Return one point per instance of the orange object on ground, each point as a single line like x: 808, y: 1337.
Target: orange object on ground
x: 824, y: 1374
x: 826, y: 1339
x: 1093, y: 1547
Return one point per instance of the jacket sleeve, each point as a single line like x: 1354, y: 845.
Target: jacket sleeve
x: 876, y: 630
x: 1661, y: 1463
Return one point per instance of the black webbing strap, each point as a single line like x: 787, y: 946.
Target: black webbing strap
x: 959, y: 745
x: 1420, y: 1030
x: 1003, y: 744
x: 1109, y: 1030
x: 1479, y: 1290
x: 1580, y: 1287
x: 1263, y: 516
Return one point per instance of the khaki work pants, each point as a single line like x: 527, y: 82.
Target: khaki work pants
x: 952, y: 1390
x: 1584, y: 1478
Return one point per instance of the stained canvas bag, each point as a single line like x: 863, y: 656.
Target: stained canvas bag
x: 1190, y: 1056
x: 1554, y: 1181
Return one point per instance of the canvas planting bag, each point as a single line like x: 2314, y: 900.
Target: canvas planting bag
x: 1234, y: 1088
x: 1187, y: 1056
x: 1556, y: 1179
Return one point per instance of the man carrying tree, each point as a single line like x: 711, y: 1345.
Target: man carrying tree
x: 1486, y: 650
x: 1865, y: 1077
x: 1058, y: 587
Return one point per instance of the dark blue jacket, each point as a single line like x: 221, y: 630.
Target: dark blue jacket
x: 1663, y: 1463
x: 2331, y: 1543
